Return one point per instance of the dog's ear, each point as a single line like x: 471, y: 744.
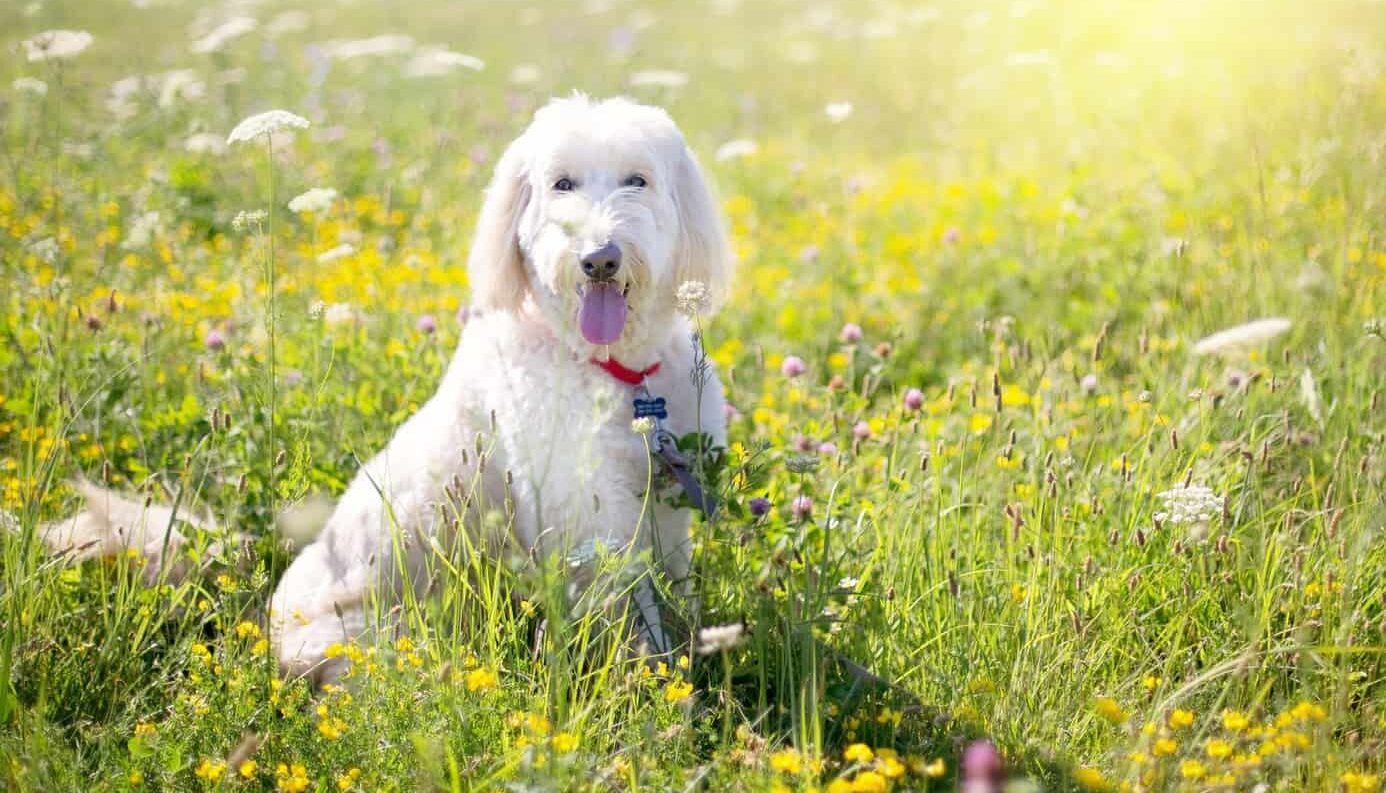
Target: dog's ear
x: 496, y: 266
x: 704, y: 252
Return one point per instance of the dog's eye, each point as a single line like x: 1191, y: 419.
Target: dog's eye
x: 563, y: 185
x: 634, y: 180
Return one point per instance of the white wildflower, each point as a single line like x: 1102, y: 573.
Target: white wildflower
x: 180, y: 85
x: 52, y: 45
x: 223, y: 34
x: 660, y: 78
x: 642, y: 426
x: 288, y: 22
x: 1189, y: 505
x: 246, y: 219
x: 141, y: 231
x: 693, y: 298
x: 838, y: 111
x: 333, y: 254
x: 1309, y: 390
x: 45, y: 249
x: 30, y: 85
x: 350, y: 49
x: 719, y: 637
x: 525, y: 74
x: 338, y: 314
x: 318, y: 199
x: 436, y: 61
x: 1252, y: 334
x: 848, y: 582
x: 205, y: 143
x: 262, y: 124
x: 741, y: 147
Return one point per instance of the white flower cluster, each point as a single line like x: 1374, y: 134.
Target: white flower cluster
x: 719, y: 637
x: 318, y: 199
x: 693, y: 298
x: 1189, y: 505
x: 732, y: 149
x: 1242, y: 337
x: 257, y: 126
x: 246, y: 219
x: 54, y: 45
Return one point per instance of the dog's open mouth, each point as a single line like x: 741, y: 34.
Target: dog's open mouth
x: 602, y: 315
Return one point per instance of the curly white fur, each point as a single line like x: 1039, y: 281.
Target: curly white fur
x: 553, y: 428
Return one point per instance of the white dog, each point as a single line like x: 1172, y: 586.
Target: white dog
x: 595, y: 217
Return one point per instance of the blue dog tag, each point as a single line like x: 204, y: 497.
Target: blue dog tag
x: 650, y: 408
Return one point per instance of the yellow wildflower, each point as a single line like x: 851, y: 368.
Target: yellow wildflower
x: 859, y: 753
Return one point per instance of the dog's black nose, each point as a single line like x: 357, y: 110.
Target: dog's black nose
x: 602, y: 263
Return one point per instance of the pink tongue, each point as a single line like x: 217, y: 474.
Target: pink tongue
x: 603, y: 313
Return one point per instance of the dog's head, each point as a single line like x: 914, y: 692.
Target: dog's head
x: 598, y: 213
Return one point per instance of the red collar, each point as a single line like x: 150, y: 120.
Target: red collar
x: 625, y: 374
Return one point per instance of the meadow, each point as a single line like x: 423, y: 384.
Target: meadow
x: 986, y: 444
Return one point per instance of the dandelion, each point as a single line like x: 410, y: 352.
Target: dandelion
x: 693, y: 298
x: 564, y: 742
x: 264, y: 124
x: 210, y: 770
x: 481, y: 679
x: 802, y: 507
x: 1180, y: 719
x: 793, y: 366
x: 733, y: 149
x: 787, y: 761
x: 223, y: 34
x: 1192, y: 770
x: 1217, y: 748
x: 858, y: 753
x: 1234, y: 721
x: 56, y: 45
x: 1242, y: 337
x: 870, y: 782
x: 658, y: 78
x: 30, y: 85
x: 717, y: 638
x: 677, y: 691
x: 317, y: 199
x: 1110, y: 710
x: 838, y: 112
x: 1090, y: 778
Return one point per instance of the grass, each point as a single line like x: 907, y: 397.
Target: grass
x: 1032, y: 212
